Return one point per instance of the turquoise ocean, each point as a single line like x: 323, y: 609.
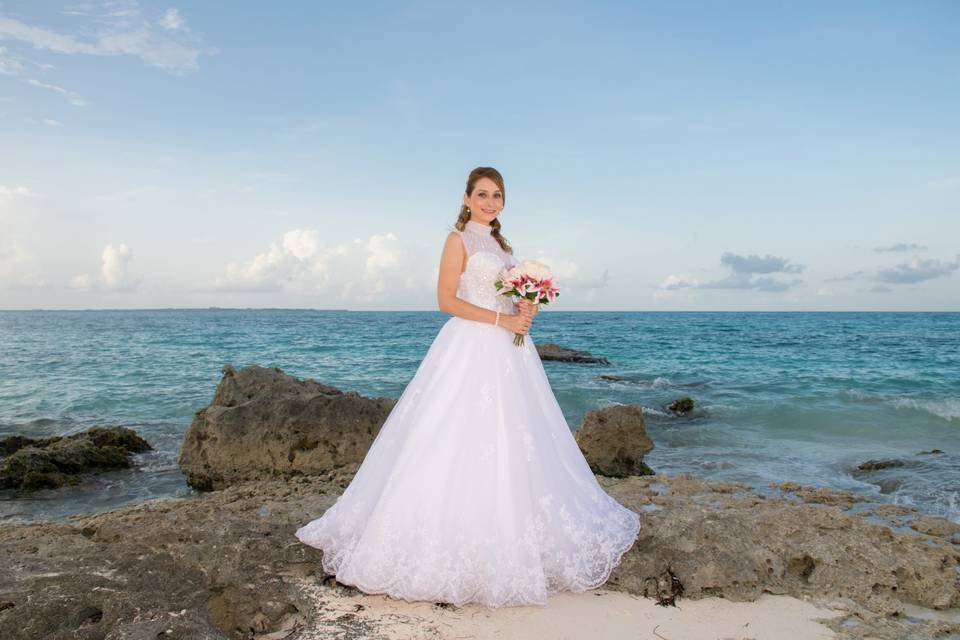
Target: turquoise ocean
x: 804, y: 397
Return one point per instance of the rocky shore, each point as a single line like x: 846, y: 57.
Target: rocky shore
x: 272, y: 452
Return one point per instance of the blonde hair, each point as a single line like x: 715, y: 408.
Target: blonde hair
x: 476, y: 174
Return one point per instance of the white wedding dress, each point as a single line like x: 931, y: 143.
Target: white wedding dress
x: 474, y: 490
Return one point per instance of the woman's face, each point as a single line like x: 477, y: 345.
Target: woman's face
x: 485, y: 202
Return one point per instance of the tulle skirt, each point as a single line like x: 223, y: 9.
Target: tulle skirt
x: 474, y: 490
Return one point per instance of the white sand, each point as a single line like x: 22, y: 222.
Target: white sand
x: 598, y: 614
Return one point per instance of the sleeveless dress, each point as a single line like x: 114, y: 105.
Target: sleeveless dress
x: 474, y: 489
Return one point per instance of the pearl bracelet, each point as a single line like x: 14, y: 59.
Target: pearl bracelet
x: 497, y: 321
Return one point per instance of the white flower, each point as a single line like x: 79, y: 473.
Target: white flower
x: 535, y: 268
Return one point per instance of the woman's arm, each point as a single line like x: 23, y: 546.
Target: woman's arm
x: 451, y: 264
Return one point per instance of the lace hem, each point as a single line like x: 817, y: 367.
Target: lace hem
x: 468, y: 577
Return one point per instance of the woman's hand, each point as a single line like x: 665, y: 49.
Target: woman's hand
x: 528, y: 306
x: 517, y: 323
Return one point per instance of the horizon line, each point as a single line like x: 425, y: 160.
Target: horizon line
x: 214, y: 308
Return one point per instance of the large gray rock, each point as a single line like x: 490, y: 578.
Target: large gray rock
x: 614, y: 441
x: 264, y: 423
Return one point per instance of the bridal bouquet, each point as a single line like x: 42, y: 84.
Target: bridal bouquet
x: 529, y: 280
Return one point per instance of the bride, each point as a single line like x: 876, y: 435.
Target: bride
x: 474, y: 489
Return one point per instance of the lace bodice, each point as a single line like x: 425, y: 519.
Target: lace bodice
x: 485, y: 259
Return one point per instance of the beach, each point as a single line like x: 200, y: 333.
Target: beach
x: 196, y: 537
x: 598, y: 613
x: 666, y: 296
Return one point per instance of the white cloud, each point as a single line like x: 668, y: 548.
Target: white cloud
x: 18, y: 268
x: 383, y: 256
x: 7, y: 194
x: 44, y: 39
x: 378, y: 269
x: 114, y: 272
x: 295, y: 258
x: 757, y: 264
x: 678, y: 282
x: 744, y: 270
x: 900, y: 247
x: 73, y: 97
x: 567, y: 275
x: 564, y: 271
x: 850, y: 276
x: 126, y: 32
x: 50, y: 122
x: 878, y: 288
x: 599, y: 282
x: 9, y: 66
x: 741, y: 280
x: 114, y: 268
x: 917, y: 270
x: 172, y: 20
x: 82, y: 281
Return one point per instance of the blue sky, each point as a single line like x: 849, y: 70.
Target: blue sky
x: 659, y: 156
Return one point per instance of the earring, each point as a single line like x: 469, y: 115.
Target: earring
x: 468, y: 209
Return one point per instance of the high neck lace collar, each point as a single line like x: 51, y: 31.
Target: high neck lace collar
x: 478, y: 228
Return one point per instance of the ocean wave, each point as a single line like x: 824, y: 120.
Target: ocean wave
x: 157, y: 466
x: 945, y: 408
x: 717, y: 408
x: 645, y: 383
x: 656, y: 382
x: 655, y: 412
x: 856, y: 394
x: 715, y: 464
x: 603, y: 403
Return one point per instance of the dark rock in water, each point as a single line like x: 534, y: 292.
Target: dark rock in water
x: 30, y: 463
x: 614, y: 441
x: 607, y: 376
x: 681, y: 405
x: 874, y: 465
x: 264, y: 423
x: 9, y: 446
x: 551, y: 351
x: 889, y: 485
x: 929, y: 452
